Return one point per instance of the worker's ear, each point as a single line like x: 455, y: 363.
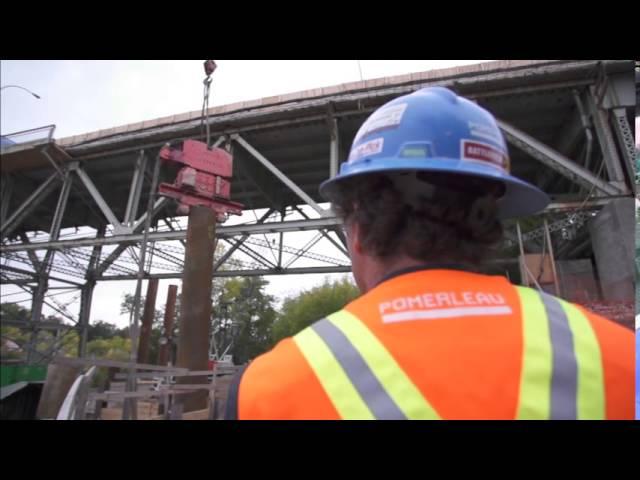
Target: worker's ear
x: 354, y: 236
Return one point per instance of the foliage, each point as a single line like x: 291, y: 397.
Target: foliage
x: 301, y: 311
x: 243, y: 315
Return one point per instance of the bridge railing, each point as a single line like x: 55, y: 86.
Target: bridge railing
x: 25, y: 138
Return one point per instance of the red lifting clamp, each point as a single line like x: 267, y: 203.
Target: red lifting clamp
x: 204, y: 179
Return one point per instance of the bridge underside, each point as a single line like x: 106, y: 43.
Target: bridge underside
x: 73, y: 210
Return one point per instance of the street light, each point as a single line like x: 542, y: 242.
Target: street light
x: 22, y: 88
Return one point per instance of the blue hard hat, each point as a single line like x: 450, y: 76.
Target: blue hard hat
x: 434, y: 130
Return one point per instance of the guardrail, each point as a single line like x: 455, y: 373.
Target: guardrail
x: 23, y: 138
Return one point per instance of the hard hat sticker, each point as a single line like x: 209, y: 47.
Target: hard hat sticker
x: 484, y: 131
x: 484, y: 153
x: 416, y: 150
x: 371, y: 147
x: 389, y: 117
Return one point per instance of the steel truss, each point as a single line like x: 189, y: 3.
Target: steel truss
x: 131, y: 248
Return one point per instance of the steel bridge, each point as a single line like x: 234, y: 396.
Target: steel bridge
x: 73, y: 210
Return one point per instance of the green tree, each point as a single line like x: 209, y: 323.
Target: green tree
x: 310, y: 306
x: 242, y: 316
x: 69, y: 344
x: 101, y: 329
x: 14, y: 313
x: 126, y: 306
x: 13, y: 336
x: 127, y: 303
x: 114, y: 348
x: 48, y: 342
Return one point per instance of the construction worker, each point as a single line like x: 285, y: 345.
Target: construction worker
x: 421, y: 196
x: 637, y: 364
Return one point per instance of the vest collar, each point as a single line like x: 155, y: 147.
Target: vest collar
x: 427, y: 266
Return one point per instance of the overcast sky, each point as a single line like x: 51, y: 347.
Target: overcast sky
x: 84, y: 96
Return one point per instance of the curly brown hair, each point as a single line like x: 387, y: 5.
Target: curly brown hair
x: 455, y: 222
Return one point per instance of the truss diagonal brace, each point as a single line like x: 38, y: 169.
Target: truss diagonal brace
x: 556, y: 161
x: 100, y: 201
x: 238, y: 243
x: 113, y: 256
x: 281, y: 176
x: 29, y: 205
x: 135, y: 189
x: 157, y: 206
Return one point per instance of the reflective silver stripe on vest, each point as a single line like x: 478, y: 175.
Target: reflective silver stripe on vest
x: 564, y: 377
x: 368, y: 386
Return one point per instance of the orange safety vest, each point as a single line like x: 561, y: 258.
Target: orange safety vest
x: 445, y: 344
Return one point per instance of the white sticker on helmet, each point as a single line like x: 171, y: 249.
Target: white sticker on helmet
x: 389, y: 117
x: 371, y: 147
x: 484, y: 131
